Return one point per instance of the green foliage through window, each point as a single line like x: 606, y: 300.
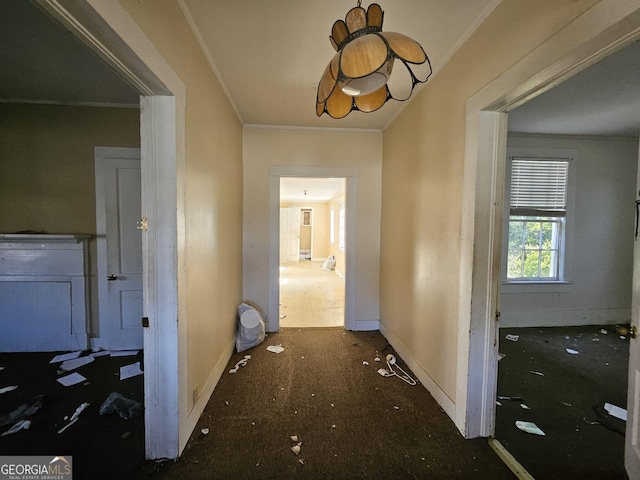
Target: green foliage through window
x: 533, y: 249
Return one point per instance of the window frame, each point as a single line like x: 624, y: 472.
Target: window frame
x: 565, y: 249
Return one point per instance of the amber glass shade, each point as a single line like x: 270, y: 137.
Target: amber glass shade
x: 359, y: 76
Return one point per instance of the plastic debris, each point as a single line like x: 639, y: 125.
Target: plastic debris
x: 567, y: 404
x: 23, y: 411
x: 513, y: 338
x: 74, y: 417
x: 584, y: 419
x: 525, y: 407
x: 124, y: 407
x: 9, y: 388
x: 296, y: 448
x: 251, y: 329
x: 294, y: 438
x: 241, y: 363
x: 498, y: 403
x: 21, y: 425
x: 501, y: 356
x: 204, y: 431
x: 603, y: 331
x: 275, y: 348
x: 513, y: 399
x: 529, y: 427
x: 533, y: 372
x: 366, y: 364
x: 301, y: 461
x: 615, y: 411
x: 572, y: 351
x: 71, y: 379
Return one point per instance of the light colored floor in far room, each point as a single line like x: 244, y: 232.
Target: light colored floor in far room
x: 310, y: 296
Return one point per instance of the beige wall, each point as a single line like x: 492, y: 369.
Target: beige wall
x: 422, y: 185
x: 47, y: 170
x: 268, y: 147
x: 211, y: 289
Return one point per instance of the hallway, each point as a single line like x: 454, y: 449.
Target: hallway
x: 352, y: 422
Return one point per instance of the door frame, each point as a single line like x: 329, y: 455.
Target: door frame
x: 607, y: 27
x: 108, y: 30
x: 351, y: 189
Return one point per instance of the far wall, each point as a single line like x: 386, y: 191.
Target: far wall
x: 599, y: 288
x: 47, y: 170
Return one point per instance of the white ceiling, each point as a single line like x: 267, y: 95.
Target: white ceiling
x: 319, y: 190
x: 270, y: 54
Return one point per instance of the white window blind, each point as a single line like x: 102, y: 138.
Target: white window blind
x: 539, y: 186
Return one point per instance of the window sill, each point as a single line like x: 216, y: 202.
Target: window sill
x: 535, y: 287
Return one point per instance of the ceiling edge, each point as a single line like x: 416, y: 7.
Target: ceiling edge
x: 207, y: 54
x: 70, y: 104
x: 323, y: 129
x: 452, y: 51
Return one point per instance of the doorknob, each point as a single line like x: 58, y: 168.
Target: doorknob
x: 632, y: 331
x: 112, y: 277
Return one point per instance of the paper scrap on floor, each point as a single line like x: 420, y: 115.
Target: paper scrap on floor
x: 65, y: 356
x: 615, y: 411
x: 74, y: 363
x: 72, y: 379
x: 124, y: 353
x: 572, y: 351
x: 128, y: 371
x: 529, y: 427
x: 513, y: 338
x: 275, y: 348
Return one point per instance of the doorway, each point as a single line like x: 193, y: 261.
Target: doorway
x: 312, y: 258
x: 482, y: 224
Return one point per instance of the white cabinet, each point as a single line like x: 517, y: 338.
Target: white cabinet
x: 43, y: 285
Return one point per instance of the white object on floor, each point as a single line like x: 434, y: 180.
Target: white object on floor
x: 128, y: 371
x: 10, y: 388
x: 529, y: 427
x: 513, y: 338
x: 65, y: 356
x: 275, y: 348
x: 74, y: 363
x: 572, y: 351
x: 72, y: 379
x: 615, y: 411
x: 21, y: 425
x: 124, y: 353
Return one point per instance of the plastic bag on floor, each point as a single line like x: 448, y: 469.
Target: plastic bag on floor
x: 125, y: 407
x: 329, y: 264
x: 251, y: 328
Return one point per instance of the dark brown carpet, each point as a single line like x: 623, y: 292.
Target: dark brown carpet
x: 102, y: 447
x: 565, y: 401
x: 352, y: 422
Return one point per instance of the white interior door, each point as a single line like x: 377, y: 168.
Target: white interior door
x: 632, y: 442
x: 118, y: 203
x: 289, y: 234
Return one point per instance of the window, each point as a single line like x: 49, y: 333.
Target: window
x: 537, y: 218
x: 332, y: 225
x: 341, y: 228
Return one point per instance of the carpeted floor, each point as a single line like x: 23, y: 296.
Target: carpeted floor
x: 101, y: 447
x: 352, y: 422
x: 581, y: 440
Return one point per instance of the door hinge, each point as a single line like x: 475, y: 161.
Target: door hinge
x: 145, y: 322
x: 497, y: 316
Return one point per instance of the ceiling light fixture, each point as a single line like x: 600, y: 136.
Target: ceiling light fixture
x: 359, y: 75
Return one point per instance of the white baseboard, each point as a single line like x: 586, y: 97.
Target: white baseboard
x: 207, y: 389
x: 564, y: 318
x: 447, y: 404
